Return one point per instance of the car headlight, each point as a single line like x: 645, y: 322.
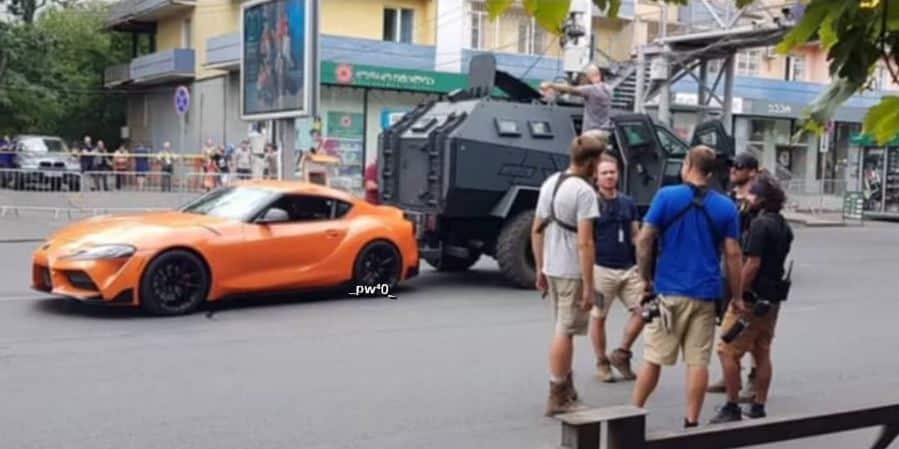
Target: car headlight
x: 103, y: 252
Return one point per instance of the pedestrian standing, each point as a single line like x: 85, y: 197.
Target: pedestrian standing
x: 6, y: 160
x: 766, y: 248
x: 562, y: 242
x: 101, y: 165
x: 243, y: 160
x: 615, y: 273
x: 225, y: 164
x: 121, y: 164
x: 86, y: 160
x: 692, y: 225
x: 166, y: 160
x: 141, y: 164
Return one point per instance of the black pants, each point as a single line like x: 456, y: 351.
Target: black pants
x: 167, y: 179
x: 100, y: 180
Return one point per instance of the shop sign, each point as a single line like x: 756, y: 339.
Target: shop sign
x: 359, y: 75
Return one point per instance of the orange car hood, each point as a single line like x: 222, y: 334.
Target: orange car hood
x: 141, y: 230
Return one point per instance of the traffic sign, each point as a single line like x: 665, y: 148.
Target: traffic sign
x: 182, y: 100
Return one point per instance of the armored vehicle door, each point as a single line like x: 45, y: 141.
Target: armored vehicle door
x: 641, y: 156
x: 713, y: 135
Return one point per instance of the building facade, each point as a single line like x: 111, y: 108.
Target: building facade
x: 380, y: 58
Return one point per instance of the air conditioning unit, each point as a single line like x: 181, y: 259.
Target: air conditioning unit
x: 770, y: 52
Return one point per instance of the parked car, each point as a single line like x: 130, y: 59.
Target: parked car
x: 43, y: 163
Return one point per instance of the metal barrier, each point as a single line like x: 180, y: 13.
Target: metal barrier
x: 626, y: 429
x: 815, y: 196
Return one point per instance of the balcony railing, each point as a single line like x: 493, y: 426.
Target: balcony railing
x: 126, y: 11
x: 166, y: 65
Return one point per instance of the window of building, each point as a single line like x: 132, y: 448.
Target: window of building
x: 748, y: 62
x: 398, y: 24
x: 478, y: 30
x: 186, y: 34
x: 530, y: 36
x: 796, y: 68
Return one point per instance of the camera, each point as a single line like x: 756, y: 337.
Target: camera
x: 760, y: 307
x: 651, y: 309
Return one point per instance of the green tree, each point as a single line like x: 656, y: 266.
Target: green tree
x: 53, y: 82
x: 857, y: 34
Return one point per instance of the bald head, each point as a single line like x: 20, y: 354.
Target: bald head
x: 593, y: 74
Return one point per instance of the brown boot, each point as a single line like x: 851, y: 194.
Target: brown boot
x: 604, y: 371
x: 621, y: 360
x: 561, y: 398
x: 572, y: 393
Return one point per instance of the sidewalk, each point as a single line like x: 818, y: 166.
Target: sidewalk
x: 815, y: 220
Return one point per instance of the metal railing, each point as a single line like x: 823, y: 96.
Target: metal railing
x: 816, y: 196
x: 626, y: 429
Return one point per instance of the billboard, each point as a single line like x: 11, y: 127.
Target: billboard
x: 275, y: 58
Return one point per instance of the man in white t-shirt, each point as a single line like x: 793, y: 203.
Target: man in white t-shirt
x: 562, y: 240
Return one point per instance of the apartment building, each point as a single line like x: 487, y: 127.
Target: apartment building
x: 382, y: 57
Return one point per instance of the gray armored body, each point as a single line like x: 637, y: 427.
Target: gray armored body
x: 468, y: 169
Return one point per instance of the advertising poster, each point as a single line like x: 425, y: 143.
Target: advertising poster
x: 274, y: 60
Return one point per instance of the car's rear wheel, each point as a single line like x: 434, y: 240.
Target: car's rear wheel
x: 175, y: 282
x: 378, y: 263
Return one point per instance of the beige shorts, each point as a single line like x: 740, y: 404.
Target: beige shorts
x: 611, y: 283
x: 759, y: 334
x: 692, y: 332
x: 565, y: 294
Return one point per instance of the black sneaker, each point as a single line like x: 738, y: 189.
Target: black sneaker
x: 755, y: 411
x: 729, y: 412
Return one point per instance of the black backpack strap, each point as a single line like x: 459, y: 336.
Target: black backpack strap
x: 697, y: 202
x: 552, y: 207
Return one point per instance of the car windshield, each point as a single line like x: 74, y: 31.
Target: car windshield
x: 235, y: 203
x: 39, y: 145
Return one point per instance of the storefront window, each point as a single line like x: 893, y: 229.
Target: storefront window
x: 752, y: 133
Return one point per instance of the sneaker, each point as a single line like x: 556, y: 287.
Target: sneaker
x: 755, y: 411
x: 621, y: 361
x: 729, y: 412
x: 717, y: 387
x: 604, y: 371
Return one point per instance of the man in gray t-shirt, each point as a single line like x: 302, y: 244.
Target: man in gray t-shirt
x: 562, y: 242
x: 597, y: 98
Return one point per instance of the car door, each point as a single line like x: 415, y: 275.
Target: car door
x: 295, y: 253
x: 640, y: 155
x: 712, y: 134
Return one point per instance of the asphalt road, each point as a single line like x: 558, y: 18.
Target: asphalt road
x: 458, y: 361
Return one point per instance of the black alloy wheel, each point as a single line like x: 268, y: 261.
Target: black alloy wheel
x: 379, y: 263
x: 176, y: 282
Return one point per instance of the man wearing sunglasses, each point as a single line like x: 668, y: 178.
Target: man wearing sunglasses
x: 744, y: 170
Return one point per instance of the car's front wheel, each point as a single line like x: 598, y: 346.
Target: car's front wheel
x: 379, y: 263
x: 175, y: 282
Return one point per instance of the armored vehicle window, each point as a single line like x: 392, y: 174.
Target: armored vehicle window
x: 507, y: 127
x: 541, y: 129
x: 670, y: 143
x: 636, y: 134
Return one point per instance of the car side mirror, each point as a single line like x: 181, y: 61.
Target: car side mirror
x: 273, y: 215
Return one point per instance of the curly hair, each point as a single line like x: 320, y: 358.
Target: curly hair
x: 769, y: 192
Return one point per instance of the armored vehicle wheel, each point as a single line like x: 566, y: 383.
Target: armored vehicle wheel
x: 513, y: 250
x: 450, y: 264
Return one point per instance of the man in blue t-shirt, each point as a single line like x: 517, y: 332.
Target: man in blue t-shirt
x: 615, y: 274
x: 692, y: 225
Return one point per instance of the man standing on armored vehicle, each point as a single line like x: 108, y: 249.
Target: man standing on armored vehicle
x: 597, y: 98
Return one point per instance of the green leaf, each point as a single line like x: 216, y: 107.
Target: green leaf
x: 828, y: 33
x: 822, y: 109
x: 882, y: 120
x: 742, y: 3
x: 530, y: 6
x: 551, y: 13
x: 893, y: 16
x: 614, y: 7
x: 496, y: 8
x: 804, y: 31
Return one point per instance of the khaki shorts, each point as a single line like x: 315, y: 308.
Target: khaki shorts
x: 565, y: 295
x: 759, y: 334
x: 692, y: 333
x: 611, y: 283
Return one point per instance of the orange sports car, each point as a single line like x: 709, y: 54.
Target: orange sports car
x: 253, y: 237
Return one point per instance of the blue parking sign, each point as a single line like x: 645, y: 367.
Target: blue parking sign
x: 182, y: 100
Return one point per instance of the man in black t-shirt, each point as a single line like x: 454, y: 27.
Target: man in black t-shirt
x: 766, y: 248
x: 615, y: 274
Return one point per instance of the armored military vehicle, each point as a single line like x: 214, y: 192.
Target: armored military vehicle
x: 467, y: 169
